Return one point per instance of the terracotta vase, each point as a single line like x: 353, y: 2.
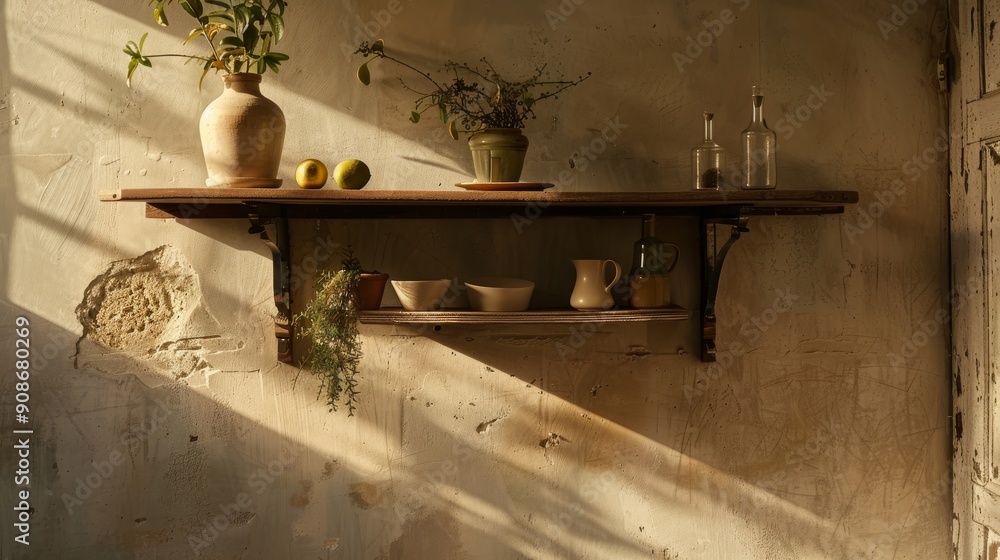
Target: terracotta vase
x: 498, y: 154
x: 370, y: 290
x: 242, y: 135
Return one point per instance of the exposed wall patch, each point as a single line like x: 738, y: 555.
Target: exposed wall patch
x: 147, y: 311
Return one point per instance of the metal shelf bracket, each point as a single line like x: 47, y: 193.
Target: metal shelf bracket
x: 262, y: 215
x: 712, y: 258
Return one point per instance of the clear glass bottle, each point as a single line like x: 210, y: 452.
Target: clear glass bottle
x: 758, y: 169
x: 652, y: 262
x: 708, y: 160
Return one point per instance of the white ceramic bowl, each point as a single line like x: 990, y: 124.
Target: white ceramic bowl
x: 421, y: 295
x: 499, y: 294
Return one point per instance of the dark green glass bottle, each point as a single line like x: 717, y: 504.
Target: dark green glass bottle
x: 652, y: 261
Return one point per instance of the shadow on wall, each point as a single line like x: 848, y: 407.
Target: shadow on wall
x: 603, y: 415
x: 121, y: 469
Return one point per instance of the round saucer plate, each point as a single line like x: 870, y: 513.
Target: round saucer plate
x: 245, y: 183
x: 518, y: 186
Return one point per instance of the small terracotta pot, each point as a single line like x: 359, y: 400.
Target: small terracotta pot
x: 370, y: 291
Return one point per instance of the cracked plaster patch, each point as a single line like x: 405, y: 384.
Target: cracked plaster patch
x: 145, y: 316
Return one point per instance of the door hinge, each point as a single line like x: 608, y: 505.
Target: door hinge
x: 942, y: 71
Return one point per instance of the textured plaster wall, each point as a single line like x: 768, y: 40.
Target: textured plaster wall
x: 159, y: 410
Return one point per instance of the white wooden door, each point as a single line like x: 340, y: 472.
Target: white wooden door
x: 975, y: 294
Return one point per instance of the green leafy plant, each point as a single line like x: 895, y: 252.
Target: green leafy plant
x: 473, y: 97
x: 330, y: 320
x: 240, y: 35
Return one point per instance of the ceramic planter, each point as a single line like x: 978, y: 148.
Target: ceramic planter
x: 498, y: 154
x: 242, y: 135
x: 370, y: 290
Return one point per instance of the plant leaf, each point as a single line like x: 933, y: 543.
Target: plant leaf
x: 221, y: 14
x: 218, y: 3
x: 232, y: 41
x: 241, y: 17
x: 142, y: 41
x: 192, y: 7
x: 453, y: 129
x: 444, y: 112
x: 213, y: 29
x: 250, y: 37
x: 278, y: 26
x: 132, y: 65
x: 414, y: 117
x: 364, y: 75
x: 277, y: 56
x: 204, y: 72
x: 194, y: 33
x: 528, y: 102
x: 378, y: 46
x: 233, y: 51
x: 159, y: 15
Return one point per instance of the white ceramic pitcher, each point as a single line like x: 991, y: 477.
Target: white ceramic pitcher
x: 590, y: 291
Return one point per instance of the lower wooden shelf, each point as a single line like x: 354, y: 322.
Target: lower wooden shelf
x: 397, y: 316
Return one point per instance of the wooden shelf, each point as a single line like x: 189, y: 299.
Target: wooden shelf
x: 723, y: 216
x: 197, y: 203
x: 397, y: 316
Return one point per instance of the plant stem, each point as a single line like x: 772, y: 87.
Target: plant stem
x: 188, y: 56
x: 401, y: 63
x: 211, y: 43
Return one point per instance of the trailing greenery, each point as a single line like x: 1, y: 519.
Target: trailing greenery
x: 331, y: 320
x: 240, y: 35
x: 474, y: 97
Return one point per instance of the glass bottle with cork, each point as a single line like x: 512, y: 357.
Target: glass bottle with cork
x: 708, y: 160
x: 758, y: 146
